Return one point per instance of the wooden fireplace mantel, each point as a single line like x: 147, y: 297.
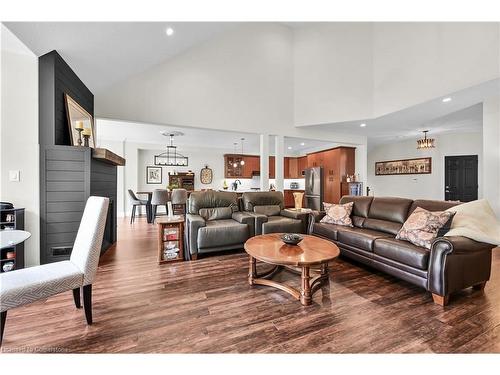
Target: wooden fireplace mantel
x: 107, y: 156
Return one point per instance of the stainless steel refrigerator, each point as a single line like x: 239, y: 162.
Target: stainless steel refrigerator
x: 314, y: 188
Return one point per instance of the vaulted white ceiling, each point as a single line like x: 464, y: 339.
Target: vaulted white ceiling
x: 103, y: 53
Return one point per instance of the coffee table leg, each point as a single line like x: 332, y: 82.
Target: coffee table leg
x: 305, y: 290
x: 252, y: 270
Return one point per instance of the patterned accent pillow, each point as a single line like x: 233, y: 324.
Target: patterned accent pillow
x: 339, y: 214
x: 422, y: 226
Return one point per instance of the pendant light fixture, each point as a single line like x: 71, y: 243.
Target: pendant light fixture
x: 425, y: 143
x: 235, y: 162
x: 171, y: 158
x: 242, y: 161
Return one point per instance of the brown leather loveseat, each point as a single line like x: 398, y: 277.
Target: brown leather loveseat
x: 452, y: 263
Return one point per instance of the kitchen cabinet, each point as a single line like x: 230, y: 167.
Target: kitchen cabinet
x: 230, y: 170
x: 336, y: 163
x: 292, y: 169
x: 301, y: 166
x: 252, y: 166
x: 272, y: 167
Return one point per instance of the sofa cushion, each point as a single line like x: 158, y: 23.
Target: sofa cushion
x: 216, y: 213
x: 222, y: 233
x: 329, y: 231
x: 432, y: 205
x: 389, y: 209
x: 422, y: 226
x: 360, y: 238
x: 281, y: 224
x: 31, y: 284
x: 361, y: 204
x: 268, y: 210
x: 262, y: 198
x: 382, y: 225
x: 402, y: 252
x: 209, y: 199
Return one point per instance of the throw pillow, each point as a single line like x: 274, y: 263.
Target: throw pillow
x: 339, y: 214
x: 422, y: 226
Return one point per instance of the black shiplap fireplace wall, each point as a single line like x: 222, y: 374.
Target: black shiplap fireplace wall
x: 68, y: 174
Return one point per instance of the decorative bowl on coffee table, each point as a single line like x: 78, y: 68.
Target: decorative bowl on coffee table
x: 291, y: 238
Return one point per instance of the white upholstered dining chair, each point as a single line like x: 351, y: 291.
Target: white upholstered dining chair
x: 27, y: 285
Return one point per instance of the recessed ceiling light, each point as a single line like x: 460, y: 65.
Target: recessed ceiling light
x: 169, y: 31
x: 302, y: 144
x: 362, y: 125
x: 289, y: 147
x: 446, y: 100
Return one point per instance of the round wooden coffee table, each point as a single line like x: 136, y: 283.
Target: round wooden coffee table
x: 310, y: 252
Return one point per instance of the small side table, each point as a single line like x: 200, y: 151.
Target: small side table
x: 170, y: 238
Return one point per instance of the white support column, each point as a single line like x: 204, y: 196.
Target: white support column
x: 279, y: 161
x: 491, y: 153
x: 264, y: 162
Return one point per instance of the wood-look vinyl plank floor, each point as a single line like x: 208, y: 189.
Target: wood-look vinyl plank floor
x: 207, y: 306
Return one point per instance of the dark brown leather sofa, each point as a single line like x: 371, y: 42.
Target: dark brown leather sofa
x: 452, y: 263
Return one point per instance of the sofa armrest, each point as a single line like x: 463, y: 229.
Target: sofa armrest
x: 193, y: 224
x: 303, y: 216
x: 259, y: 219
x: 295, y: 214
x: 245, y: 218
x: 456, y: 263
x: 314, y: 217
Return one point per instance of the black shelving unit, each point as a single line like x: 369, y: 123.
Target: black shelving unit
x: 10, y: 219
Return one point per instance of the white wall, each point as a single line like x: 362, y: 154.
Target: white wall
x: 428, y: 186
x: 241, y: 80
x: 19, y: 135
x: 333, y: 74
x: 198, y: 158
x: 414, y: 62
x: 491, y: 142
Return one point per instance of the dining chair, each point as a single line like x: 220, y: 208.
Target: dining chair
x: 160, y: 198
x: 134, y: 201
x: 179, y: 199
x: 27, y: 285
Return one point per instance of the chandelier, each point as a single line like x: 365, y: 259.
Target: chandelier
x: 171, y: 158
x: 425, y: 142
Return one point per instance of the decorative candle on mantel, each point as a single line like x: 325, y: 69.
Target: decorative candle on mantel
x: 86, y: 135
x: 79, y: 125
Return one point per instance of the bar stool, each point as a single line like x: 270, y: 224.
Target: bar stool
x: 179, y: 199
x: 160, y: 198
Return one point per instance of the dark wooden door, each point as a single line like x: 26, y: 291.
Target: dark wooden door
x: 460, y: 182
